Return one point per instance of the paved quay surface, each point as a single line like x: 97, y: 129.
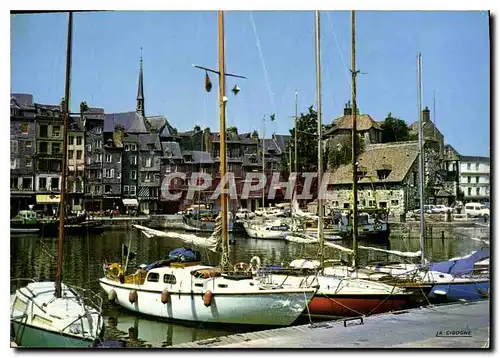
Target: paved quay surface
x: 460, y: 325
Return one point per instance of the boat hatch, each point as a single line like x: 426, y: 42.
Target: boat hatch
x: 19, y: 304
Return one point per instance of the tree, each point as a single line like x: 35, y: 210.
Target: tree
x: 395, y: 130
x: 340, y: 150
x: 307, y: 139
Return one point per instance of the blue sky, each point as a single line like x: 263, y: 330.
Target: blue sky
x: 106, y: 52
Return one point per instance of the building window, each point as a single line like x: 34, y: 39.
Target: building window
x: 118, y: 175
x: 154, y: 192
x: 70, y: 154
x: 168, y: 169
x: 29, y: 163
x: 78, y: 154
x: 133, y: 147
x: 54, y: 183
x: 468, y: 179
x: 56, y: 131
x: 477, y: 179
x: 27, y: 184
x: 98, y: 144
x: 469, y: 191
x: 149, y: 162
x: 98, y: 189
x: 132, y: 190
x: 477, y: 166
x: 71, y: 140
x: 394, y: 202
x: 127, y: 147
x: 468, y: 166
x: 14, y: 148
x: 56, y: 148
x: 477, y: 191
x: 98, y: 130
x: 107, y: 189
x: 346, y: 205
x: 108, y: 158
x: 87, y: 160
x: 44, y: 131
x: 133, y: 174
x: 89, y: 147
x: 147, y: 177
x: 42, y: 183
x: 133, y: 160
x: 79, y: 140
x: 119, y: 159
x: 28, y: 144
x: 125, y: 190
x: 99, y: 158
x: 25, y: 128
x: 99, y: 176
x: 13, y: 163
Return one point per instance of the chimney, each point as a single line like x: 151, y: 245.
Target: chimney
x: 348, y: 109
x: 426, y: 115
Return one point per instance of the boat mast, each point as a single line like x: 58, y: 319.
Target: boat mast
x: 296, y: 157
x: 320, y: 147
x: 420, y: 158
x: 222, y: 104
x: 354, y: 143
x: 62, y: 203
x: 263, y: 160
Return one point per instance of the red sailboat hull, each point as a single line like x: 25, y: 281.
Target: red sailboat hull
x: 356, y: 305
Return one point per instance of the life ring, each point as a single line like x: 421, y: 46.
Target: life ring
x: 254, y: 265
x: 115, y: 270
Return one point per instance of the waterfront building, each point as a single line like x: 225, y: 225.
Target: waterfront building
x: 76, y: 164
x: 475, y: 178
x: 22, y: 150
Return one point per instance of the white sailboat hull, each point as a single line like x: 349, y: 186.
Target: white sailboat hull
x: 41, y: 320
x: 248, y: 307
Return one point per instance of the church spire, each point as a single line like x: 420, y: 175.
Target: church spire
x: 140, y: 92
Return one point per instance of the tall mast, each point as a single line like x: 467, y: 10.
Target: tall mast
x: 222, y: 103
x: 320, y: 147
x: 354, y: 143
x: 62, y: 204
x: 263, y: 158
x: 420, y: 158
x: 295, y: 146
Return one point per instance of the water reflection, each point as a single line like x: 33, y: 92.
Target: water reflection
x: 34, y: 257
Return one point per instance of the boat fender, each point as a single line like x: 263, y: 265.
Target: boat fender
x: 207, y: 298
x: 112, y: 295
x: 164, y: 296
x: 121, y: 277
x: 132, y: 296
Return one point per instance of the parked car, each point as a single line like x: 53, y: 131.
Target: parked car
x: 476, y: 209
x: 443, y: 209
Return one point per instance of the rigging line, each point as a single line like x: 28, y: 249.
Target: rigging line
x: 262, y: 60
x: 340, y: 50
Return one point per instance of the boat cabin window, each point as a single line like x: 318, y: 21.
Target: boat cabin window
x: 169, y: 279
x: 153, y: 277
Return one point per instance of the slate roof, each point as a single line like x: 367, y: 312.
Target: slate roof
x: 173, y: 148
x: 282, y: 140
x: 24, y: 100
x: 199, y: 157
x: 246, y: 159
x: 474, y: 158
x: 95, y: 113
x: 131, y: 121
x: 246, y: 138
x: 145, y: 139
x: 270, y: 146
x: 399, y: 157
x: 75, y: 124
x: 363, y: 123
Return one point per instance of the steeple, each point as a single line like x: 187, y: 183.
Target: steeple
x: 140, y: 92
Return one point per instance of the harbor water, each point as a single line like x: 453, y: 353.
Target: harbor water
x: 34, y: 256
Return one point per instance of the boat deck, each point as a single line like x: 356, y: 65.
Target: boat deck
x: 460, y: 325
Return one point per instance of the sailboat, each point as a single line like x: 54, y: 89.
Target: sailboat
x: 338, y: 295
x: 53, y: 314
x: 445, y: 281
x: 189, y: 291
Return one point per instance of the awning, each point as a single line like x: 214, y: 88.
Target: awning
x: 130, y: 202
x: 47, y: 199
